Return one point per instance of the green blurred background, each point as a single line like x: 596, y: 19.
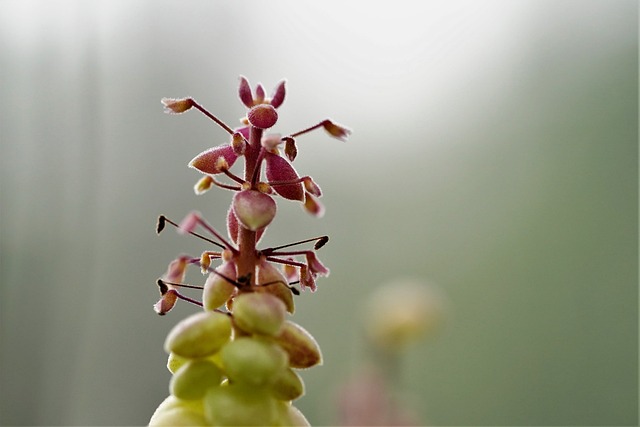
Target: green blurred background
x: 494, y: 154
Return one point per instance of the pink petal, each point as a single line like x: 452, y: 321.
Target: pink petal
x: 244, y: 91
x: 278, y: 170
x: 209, y: 160
x: 278, y: 94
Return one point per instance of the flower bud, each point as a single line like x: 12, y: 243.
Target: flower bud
x: 313, y: 206
x: 166, y: 302
x: 280, y: 291
x: 176, y: 106
x: 254, y: 361
x: 335, y: 130
x: 287, y: 385
x: 209, y: 160
x: 178, y: 416
x: 240, y: 405
x: 253, y: 209
x: 293, y: 417
x: 302, y: 348
x: 199, y: 335
x: 217, y: 289
x: 194, y: 378
x: 259, y: 313
x: 311, y: 186
x: 203, y: 185
x: 290, y: 149
x: 174, y: 362
x: 262, y: 116
x: 238, y: 144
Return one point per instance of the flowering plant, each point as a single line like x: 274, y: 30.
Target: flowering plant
x: 236, y: 362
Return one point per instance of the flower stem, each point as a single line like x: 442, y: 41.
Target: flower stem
x: 248, y: 257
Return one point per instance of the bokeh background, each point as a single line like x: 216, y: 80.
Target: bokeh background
x: 494, y: 154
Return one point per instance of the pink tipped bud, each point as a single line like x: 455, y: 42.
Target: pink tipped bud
x: 253, y: 209
x: 313, y: 206
x: 278, y: 94
x: 166, y: 302
x: 271, y: 142
x: 311, y: 186
x: 335, y: 130
x: 278, y: 170
x: 209, y: 161
x: 260, y: 93
x: 244, y: 91
x: 176, y: 106
x: 290, y: 148
x: 238, y: 144
x: 203, y: 185
x: 262, y: 116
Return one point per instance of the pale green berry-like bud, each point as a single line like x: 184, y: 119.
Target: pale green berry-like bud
x: 287, y: 386
x: 302, y: 348
x: 217, y: 289
x: 177, y: 412
x: 280, y: 291
x: 253, y: 209
x: 174, y: 362
x: 252, y: 360
x: 259, y: 313
x: 199, y: 335
x: 291, y: 416
x: 194, y: 378
x: 240, y: 405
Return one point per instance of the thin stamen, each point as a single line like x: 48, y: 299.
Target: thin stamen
x: 212, y: 117
x: 320, y: 242
x: 226, y: 186
x: 233, y: 176
x: 212, y: 230
x: 286, y: 261
x: 163, y: 219
x: 309, y: 129
x: 179, y: 285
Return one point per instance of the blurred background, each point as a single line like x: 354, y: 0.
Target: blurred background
x: 494, y: 155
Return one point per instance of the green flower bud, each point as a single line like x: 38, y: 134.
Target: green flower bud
x: 194, y: 378
x: 177, y: 412
x: 199, y: 335
x: 287, y: 386
x: 240, y: 405
x: 302, y: 348
x: 174, y: 362
x: 217, y: 289
x: 259, y: 313
x: 252, y: 360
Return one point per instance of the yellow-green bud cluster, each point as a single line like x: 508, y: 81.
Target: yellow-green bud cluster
x: 237, y: 368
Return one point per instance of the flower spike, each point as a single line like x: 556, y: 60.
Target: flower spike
x: 239, y: 349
